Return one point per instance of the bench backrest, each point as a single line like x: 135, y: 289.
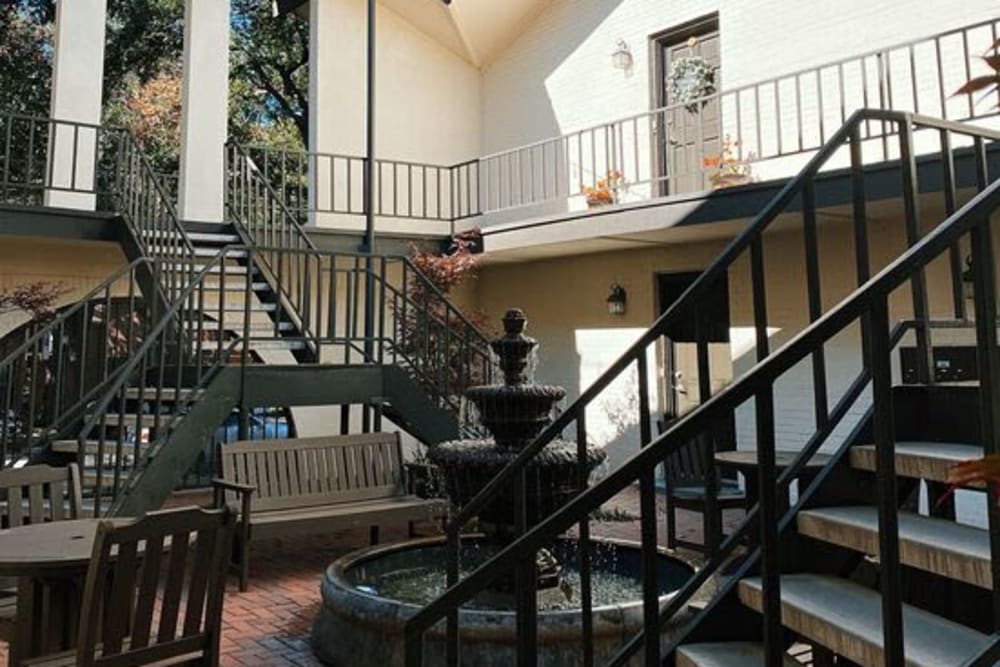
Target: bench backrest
x: 39, y: 493
x: 308, y: 472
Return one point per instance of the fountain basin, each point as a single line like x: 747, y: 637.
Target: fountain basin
x: 356, y: 626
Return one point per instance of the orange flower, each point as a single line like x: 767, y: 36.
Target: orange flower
x: 711, y: 161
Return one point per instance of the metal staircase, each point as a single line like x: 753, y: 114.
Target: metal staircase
x: 772, y: 583
x: 135, y: 378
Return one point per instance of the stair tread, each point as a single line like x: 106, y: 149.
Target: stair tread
x: 847, y: 618
x: 725, y: 654
x: 91, y: 446
x: 944, y: 547
x: 920, y: 460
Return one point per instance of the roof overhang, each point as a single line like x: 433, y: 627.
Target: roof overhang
x: 477, y: 30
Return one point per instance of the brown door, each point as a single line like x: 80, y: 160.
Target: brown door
x: 688, y: 133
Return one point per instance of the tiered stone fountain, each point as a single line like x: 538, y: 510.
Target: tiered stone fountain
x: 368, y: 595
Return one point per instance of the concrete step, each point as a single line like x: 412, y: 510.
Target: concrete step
x: 199, y: 251
x: 215, y: 270
x: 919, y: 460
x: 166, y: 393
x: 847, y: 619
x: 943, y: 547
x: 725, y: 654
x: 220, y: 239
x: 91, y: 447
x: 115, y: 419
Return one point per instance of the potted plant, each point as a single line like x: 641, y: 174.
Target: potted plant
x: 605, y: 191
x: 727, y: 169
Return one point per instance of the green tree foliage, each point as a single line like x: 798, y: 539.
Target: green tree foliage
x: 143, y: 53
x: 25, y: 57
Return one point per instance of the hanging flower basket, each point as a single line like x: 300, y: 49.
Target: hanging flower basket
x: 690, y: 79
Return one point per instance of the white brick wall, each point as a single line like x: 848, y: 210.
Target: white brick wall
x: 558, y: 76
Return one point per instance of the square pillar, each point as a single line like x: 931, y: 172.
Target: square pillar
x: 77, y: 84
x: 205, y: 111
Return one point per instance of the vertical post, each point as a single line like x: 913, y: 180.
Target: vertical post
x: 984, y: 294
x: 369, y: 202
x: 204, y: 113
x: 879, y: 352
x: 77, y: 84
x: 918, y: 283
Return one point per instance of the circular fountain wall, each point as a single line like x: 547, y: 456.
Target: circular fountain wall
x: 369, y: 595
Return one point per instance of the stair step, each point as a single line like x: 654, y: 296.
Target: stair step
x: 166, y: 393
x: 91, y: 447
x: 277, y: 344
x: 199, y: 251
x: 116, y: 419
x: 847, y: 619
x: 725, y: 654
x: 216, y: 269
x: 236, y: 287
x: 943, y: 547
x: 919, y: 460
x: 221, y: 238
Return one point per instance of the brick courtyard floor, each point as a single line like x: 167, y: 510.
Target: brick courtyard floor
x: 270, y: 624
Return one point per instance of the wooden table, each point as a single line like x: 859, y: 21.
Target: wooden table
x: 50, y: 562
x: 745, y: 462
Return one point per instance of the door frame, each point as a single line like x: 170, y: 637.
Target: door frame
x: 657, y: 41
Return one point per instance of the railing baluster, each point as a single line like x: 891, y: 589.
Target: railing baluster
x: 879, y: 350
x: 647, y: 518
x: 988, y: 357
x: 711, y: 516
x: 815, y: 298
x: 955, y: 252
x: 918, y: 282
x: 584, y: 547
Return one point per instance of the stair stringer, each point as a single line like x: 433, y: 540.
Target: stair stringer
x: 165, y: 467
x: 402, y: 399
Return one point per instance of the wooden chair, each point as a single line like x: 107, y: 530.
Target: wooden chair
x: 33, y: 494
x: 685, y: 481
x: 129, y: 616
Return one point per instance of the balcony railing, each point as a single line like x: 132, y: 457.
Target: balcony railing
x: 772, y: 126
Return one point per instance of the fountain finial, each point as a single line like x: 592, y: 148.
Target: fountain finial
x: 514, y: 322
x: 514, y: 348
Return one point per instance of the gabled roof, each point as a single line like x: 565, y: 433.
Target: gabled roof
x: 476, y: 30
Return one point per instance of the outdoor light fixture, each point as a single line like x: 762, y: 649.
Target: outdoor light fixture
x: 617, y: 300
x: 967, y: 279
x: 622, y: 57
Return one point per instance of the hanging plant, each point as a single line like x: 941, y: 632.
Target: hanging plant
x: 691, y: 78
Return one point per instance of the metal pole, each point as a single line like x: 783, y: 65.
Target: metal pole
x: 369, y: 205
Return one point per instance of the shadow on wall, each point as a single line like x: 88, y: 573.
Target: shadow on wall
x: 518, y: 109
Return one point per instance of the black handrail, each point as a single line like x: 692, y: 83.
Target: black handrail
x: 688, y: 427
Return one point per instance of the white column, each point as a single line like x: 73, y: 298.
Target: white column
x: 77, y: 80
x: 205, y: 114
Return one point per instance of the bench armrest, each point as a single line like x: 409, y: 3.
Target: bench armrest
x: 245, y: 492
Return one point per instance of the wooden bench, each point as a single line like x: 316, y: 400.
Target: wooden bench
x: 310, y: 485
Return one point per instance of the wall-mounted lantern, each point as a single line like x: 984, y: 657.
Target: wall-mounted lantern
x: 622, y: 57
x: 617, y: 300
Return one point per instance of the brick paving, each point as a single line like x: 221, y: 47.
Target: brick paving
x: 269, y: 625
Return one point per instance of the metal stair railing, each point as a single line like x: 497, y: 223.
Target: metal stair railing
x: 416, y: 327
x: 867, y: 308
x: 64, y: 364
x: 175, y: 366
x: 415, y: 324
x: 52, y: 162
